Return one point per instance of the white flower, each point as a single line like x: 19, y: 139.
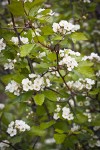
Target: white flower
x: 48, y: 82
x: 75, y: 127
x: 90, y: 81
x: 95, y: 128
x: 13, y: 87
x: 56, y: 27
x: 93, y: 56
x: 36, y: 87
x: 2, y: 45
x: 32, y: 75
x: 43, y: 54
x: 87, y: 103
x: 98, y: 143
x: 86, y: 1
x: 2, y: 106
x: 69, y: 61
x: 11, y: 131
x: 71, y: 102
x: 24, y: 40
x: 21, y: 125
x: 16, y: 41
x: 66, y: 114
x: 56, y: 116
x: 65, y: 27
x: 50, y: 141
x: 25, y: 81
x: 18, y: 125
x: 78, y: 85
x: 70, y: 84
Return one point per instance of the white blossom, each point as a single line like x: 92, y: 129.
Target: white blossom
x: 75, y: 127
x: 86, y: 1
x: 69, y: 61
x: 66, y: 114
x: 56, y: 27
x: 13, y: 87
x: 10, y: 64
x: 17, y: 125
x: 65, y: 27
x: 93, y: 56
x: 15, y: 40
x: 50, y: 141
x: 98, y: 143
x: 56, y: 116
x: 2, y: 45
x: 2, y: 106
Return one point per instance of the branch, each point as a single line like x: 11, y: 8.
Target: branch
x: 10, y: 145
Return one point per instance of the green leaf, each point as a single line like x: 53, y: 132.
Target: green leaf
x: 36, y: 130
x: 59, y: 138
x: 16, y: 139
x: 39, y: 99
x: 78, y: 36
x: 23, y: 97
x: 94, y: 92
x: 57, y: 37
x: 46, y: 125
x: 26, y: 49
x: 47, y: 30
x: 80, y: 118
x: 50, y: 95
x: 16, y: 8
x: 85, y: 68
x: 52, y: 56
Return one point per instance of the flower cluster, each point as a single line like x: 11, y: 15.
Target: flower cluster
x: 4, y: 144
x: 94, y: 141
x: 62, y: 53
x: 75, y: 127
x: 56, y: 114
x: 81, y: 84
x: 54, y: 71
x: 88, y: 114
x: 69, y: 61
x: 13, y: 87
x: 66, y: 113
x: 2, y: 45
x: 41, y: 54
x: 17, y: 125
x: 93, y: 56
x: 65, y: 27
x: 10, y: 64
x: 86, y: 1
x: 36, y: 83
x: 16, y: 41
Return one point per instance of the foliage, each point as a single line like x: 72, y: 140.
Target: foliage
x: 50, y: 73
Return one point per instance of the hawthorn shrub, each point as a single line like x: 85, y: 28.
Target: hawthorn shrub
x: 50, y: 72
